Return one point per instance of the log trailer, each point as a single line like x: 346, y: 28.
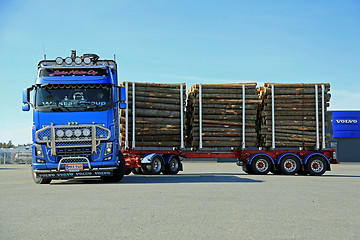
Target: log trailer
x: 278, y: 160
x: 76, y: 130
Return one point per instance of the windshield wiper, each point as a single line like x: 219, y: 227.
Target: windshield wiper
x: 96, y: 107
x: 56, y: 109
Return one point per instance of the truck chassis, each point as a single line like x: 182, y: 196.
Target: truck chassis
x: 287, y: 162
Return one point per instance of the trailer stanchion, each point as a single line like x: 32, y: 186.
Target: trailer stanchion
x: 273, y: 116
x: 243, y: 116
x: 200, y: 116
x: 127, y: 116
x: 323, y: 115
x: 133, y: 115
x: 181, y: 117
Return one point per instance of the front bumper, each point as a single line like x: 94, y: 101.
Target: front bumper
x: 62, y: 174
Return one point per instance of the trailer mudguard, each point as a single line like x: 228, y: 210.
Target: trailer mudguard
x: 278, y: 159
x: 146, y: 159
x: 306, y: 158
x: 259, y: 154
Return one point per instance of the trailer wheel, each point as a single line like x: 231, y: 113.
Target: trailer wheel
x: 247, y: 168
x: 316, y: 166
x: 261, y: 165
x: 302, y: 171
x: 137, y: 171
x: 128, y: 171
x: 275, y: 170
x: 39, y: 180
x: 155, y: 167
x: 173, y: 167
x: 289, y: 165
x: 119, y: 172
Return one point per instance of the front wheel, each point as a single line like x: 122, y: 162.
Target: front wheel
x: 316, y: 166
x: 119, y: 172
x: 39, y: 180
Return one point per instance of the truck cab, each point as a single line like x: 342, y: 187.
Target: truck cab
x: 75, y: 131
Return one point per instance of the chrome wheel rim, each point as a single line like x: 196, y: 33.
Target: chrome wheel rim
x: 317, y: 165
x: 174, y: 165
x: 261, y: 165
x: 290, y: 165
x: 156, y: 165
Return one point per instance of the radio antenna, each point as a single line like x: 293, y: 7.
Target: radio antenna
x: 44, y: 51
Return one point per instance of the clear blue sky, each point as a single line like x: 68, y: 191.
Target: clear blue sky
x: 197, y: 41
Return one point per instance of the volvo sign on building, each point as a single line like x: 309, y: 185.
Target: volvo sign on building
x: 346, y: 124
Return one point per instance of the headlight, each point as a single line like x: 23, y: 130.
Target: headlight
x: 68, y: 133
x: 78, y: 60
x: 60, y: 133
x: 38, y: 151
x: 86, y: 132
x: 68, y: 60
x: 59, y: 60
x: 77, y: 132
x: 108, y: 148
x: 87, y: 60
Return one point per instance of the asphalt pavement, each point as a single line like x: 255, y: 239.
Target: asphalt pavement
x: 207, y: 200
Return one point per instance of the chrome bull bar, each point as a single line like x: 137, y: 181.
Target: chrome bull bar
x: 63, y: 136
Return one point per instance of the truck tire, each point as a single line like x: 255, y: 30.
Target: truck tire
x: 128, y: 171
x: 119, y: 172
x: 155, y: 167
x: 316, y: 166
x: 275, y: 170
x: 137, y: 171
x: 173, y: 167
x: 302, y: 171
x: 247, y: 168
x: 289, y: 165
x: 261, y: 165
x: 39, y: 180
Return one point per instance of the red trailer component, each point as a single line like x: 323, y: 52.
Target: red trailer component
x: 253, y: 161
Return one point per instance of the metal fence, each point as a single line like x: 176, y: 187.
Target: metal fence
x: 15, y: 155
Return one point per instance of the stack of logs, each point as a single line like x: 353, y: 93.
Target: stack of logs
x: 222, y: 115
x: 295, y: 114
x: 157, y: 115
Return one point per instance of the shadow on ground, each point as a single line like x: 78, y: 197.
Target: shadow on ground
x: 160, y: 179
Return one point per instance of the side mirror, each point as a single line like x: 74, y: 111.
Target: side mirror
x: 122, y: 105
x: 26, y: 98
x: 122, y: 94
x: 25, y: 95
x: 26, y: 107
x: 122, y: 97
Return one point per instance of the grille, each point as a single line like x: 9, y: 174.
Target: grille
x: 74, y: 150
x: 74, y: 160
x: 44, y: 134
x: 73, y: 144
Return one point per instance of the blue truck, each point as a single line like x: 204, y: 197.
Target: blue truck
x: 76, y: 102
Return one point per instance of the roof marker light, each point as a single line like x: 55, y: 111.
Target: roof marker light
x: 78, y: 60
x: 87, y: 60
x: 59, y: 60
x: 68, y: 60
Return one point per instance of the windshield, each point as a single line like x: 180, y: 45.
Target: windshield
x: 73, y: 97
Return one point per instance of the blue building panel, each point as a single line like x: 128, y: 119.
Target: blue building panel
x: 346, y: 124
